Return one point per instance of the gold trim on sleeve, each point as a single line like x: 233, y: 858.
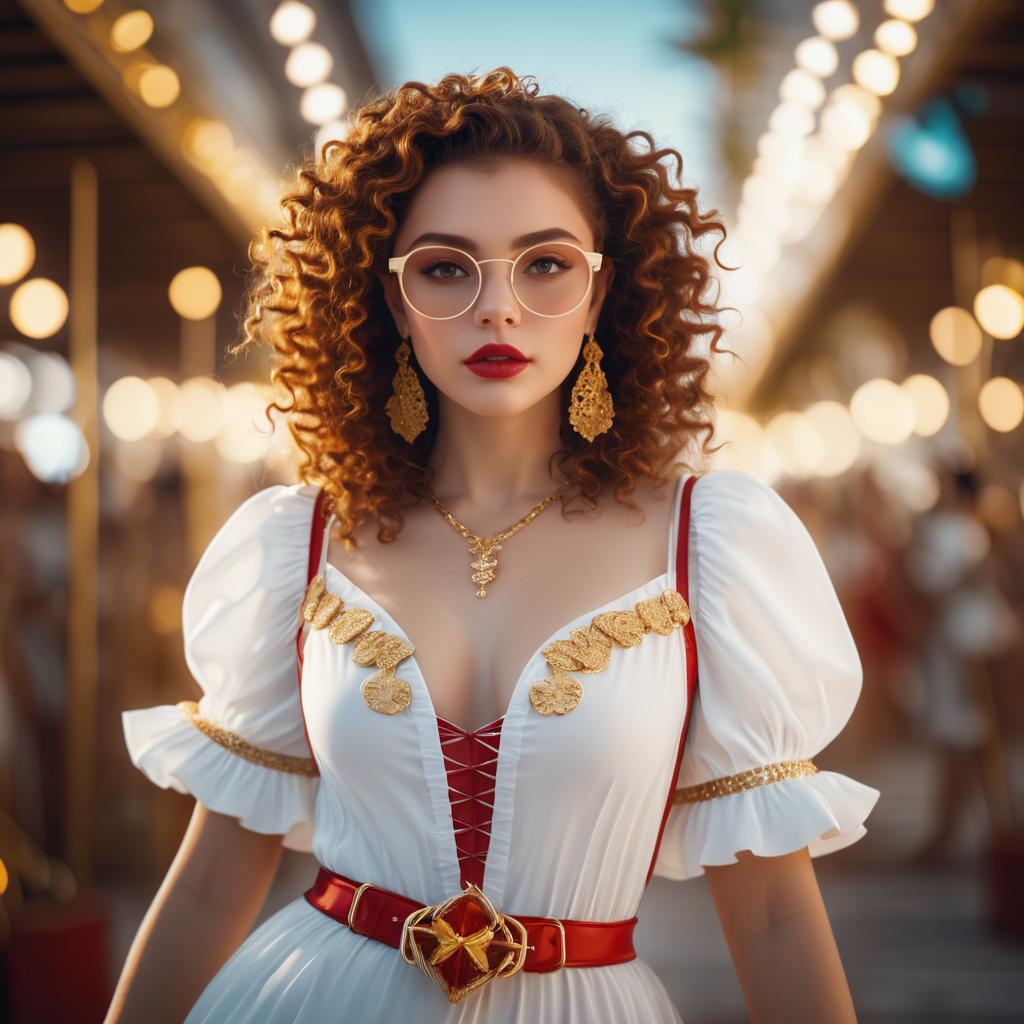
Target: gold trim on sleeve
x: 744, y: 780
x: 234, y: 743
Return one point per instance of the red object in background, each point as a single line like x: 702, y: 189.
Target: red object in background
x: 1006, y: 884
x: 57, y: 964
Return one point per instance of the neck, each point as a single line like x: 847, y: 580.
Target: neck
x: 490, y: 463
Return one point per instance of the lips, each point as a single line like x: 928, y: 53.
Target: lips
x: 492, y: 350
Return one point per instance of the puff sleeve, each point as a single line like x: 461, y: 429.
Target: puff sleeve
x: 242, y: 749
x: 778, y: 678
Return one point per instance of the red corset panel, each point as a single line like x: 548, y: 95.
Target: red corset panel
x: 471, y: 761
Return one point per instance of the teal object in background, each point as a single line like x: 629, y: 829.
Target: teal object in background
x: 930, y: 150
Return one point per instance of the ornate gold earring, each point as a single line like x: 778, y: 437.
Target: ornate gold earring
x: 407, y: 407
x: 590, y: 410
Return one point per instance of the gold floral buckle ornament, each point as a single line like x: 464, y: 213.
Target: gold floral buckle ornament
x: 463, y: 942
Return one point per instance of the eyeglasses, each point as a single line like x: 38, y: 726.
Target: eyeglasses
x: 551, y: 279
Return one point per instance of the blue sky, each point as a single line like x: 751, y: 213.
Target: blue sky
x: 610, y: 57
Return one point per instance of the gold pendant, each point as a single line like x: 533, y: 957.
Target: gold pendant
x: 485, y: 564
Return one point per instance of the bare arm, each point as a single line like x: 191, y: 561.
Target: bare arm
x: 204, y: 908
x: 780, y: 939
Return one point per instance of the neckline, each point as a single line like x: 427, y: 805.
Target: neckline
x: 665, y: 579
x: 414, y: 665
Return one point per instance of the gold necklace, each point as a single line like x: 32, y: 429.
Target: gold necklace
x: 484, y: 549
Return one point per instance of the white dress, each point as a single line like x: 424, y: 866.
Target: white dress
x: 578, y: 797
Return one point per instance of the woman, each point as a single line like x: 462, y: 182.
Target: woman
x: 440, y: 272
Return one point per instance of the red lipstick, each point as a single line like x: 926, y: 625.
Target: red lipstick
x: 497, y: 361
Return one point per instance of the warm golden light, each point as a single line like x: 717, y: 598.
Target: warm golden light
x: 130, y: 408
x: 876, y: 71
x: 745, y: 445
x: 817, y: 55
x: 17, y: 253
x: 82, y: 6
x: 931, y: 403
x: 1001, y: 404
x: 245, y: 435
x: 796, y: 440
x: 845, y: 126
x: 202, y: 408
x: 131, y: 31
x: 1000, y: 311
x: 308, y: 64
x: 323, y: 103
x: 800, y: 86
x: 896, y: 37
x: 206, y: 140
x: 39, y: 307
x: 834, y: 425
x: 882, y: 411
x: 955, y: 335
x: 168, y: 402
x: 909, y: 10
x: 852, y: 95
x: 292, y: 23
x: 159, y: 86
x: 195, y: 293
x: 329, y: 132
x: 835, y: 19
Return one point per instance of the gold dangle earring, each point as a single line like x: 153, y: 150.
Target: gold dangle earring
x: 590, y: 410
x: 407, y: 406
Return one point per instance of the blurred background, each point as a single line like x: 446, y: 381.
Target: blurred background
x: 867, y: 158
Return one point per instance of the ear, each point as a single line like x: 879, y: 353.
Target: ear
x: 602, y: 282
x: 393, y: 297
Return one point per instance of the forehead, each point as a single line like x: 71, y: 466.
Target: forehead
x: 493, y: 205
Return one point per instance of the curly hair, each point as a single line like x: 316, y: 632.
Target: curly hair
x: 314, y: 297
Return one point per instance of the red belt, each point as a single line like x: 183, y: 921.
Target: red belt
x: 463, y: 942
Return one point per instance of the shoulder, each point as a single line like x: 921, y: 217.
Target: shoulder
x: 262, y: 548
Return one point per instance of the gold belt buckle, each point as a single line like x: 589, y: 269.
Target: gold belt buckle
x: 461, y: 962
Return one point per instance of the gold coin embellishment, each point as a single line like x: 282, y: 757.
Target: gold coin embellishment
x: 386, y: 694
x: 557, y: 695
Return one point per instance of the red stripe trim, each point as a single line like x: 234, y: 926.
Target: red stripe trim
x: 316, y: 543
x: 690, y: 643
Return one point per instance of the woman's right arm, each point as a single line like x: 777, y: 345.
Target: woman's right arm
x: 204, y: 908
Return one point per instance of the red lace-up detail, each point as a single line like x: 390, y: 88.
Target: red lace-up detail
x: 471, y: 762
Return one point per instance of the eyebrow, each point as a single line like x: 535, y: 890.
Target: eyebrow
x: 522, y: 242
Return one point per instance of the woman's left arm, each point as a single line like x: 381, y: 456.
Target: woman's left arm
x: 780, y: 939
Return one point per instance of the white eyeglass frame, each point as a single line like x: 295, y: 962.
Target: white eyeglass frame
x: 396, y: 265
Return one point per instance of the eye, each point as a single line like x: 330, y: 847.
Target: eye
x: 447, y: 266
x: 552, y: 260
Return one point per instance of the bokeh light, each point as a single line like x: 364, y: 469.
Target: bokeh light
x: 15, y: 386
x: 130, y: 408
x: 17, y: 253
x: 1001, y: 403
x: 1000, y: 311
x: 159, y: 86
x: 53, y: 447
x: 955, y: 335
x: 931, y: 403
x: 202, y: 408
x: 882, y: 411
x: 292, y: 23
x: 308, y: 64
x: 195, y: 293
x: 39, y: 307
x: 131, y: 30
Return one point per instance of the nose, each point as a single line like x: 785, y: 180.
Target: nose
x: 496, y: 302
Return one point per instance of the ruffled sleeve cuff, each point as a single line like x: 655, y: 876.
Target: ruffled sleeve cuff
x: 167, y: 746
x: 824, y: 811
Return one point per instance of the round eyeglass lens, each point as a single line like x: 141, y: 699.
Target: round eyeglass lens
x: 550, y: 279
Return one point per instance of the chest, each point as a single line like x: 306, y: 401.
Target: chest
x: 472, y: 651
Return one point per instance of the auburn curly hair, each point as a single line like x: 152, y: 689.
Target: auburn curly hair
x: 313, y: 295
